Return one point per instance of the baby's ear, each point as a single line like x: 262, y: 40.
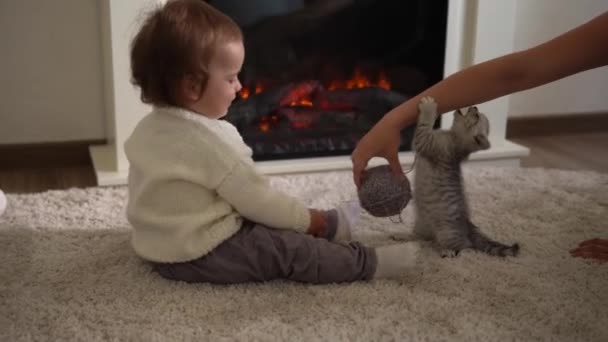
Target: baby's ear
x: 190, y: 88
x: 482, y: 141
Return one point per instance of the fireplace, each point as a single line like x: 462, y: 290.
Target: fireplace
x: 318, y: 74
x: 396, y: 46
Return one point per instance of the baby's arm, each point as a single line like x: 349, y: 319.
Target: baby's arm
x: 252, y: 196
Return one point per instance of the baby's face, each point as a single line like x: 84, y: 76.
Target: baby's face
x: 223, y: 83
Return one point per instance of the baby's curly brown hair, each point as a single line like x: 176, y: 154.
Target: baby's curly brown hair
x: 176, y: 40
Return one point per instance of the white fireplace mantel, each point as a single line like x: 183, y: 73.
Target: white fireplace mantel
x: 477, y: 31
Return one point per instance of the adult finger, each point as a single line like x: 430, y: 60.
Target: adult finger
x: 395, y: 165
x: 358, y: 168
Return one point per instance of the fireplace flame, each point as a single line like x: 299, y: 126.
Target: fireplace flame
x: 357, y: 81
x: 245, y: 92
x: 384, y: 82
x: 303, y: 101
x: 360, y: 80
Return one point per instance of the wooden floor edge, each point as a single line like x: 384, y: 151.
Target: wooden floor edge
x: 43, y: 155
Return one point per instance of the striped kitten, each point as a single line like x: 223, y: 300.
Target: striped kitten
x: 442, y: 213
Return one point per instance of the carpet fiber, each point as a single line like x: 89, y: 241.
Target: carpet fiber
x: 67, y: 272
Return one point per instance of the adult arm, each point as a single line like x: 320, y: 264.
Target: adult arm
x: 582, y: 48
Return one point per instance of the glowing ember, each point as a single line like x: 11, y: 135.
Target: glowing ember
x: 266, y: 122
x: 301, y: 103
x: 244, y: 93
x: 264, y: 125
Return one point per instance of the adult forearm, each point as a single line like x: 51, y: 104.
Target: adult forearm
x: 582, y: 48
x: 477, y: 84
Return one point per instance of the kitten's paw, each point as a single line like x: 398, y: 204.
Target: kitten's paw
x: 427, y: 99
x: 449, y: 253
x: 428, y: 109
x: 427, y: 104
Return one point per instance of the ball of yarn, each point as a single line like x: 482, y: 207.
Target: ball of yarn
x: 383, y: 194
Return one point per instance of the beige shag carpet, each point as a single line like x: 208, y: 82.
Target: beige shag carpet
x: 67, y: 272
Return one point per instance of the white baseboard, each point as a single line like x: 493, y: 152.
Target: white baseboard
x: 104, y: 162
x: 502, y: 154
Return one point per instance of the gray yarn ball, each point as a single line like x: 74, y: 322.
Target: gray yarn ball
x: 381, y: 193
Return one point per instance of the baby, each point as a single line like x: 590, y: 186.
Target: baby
x: 199, y: 209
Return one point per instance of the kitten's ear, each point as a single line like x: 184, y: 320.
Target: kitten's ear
x: 459, y: 112
x: 472, y: 110
x: 482, y: 141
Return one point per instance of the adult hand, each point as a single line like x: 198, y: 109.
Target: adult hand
x: 382, y: 140
x: 596, y: 249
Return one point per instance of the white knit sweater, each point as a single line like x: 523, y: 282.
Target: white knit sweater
x: 190, y: 180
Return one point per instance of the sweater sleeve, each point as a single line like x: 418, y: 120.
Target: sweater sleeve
x: 252, y: 196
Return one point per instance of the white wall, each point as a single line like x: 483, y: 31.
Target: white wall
x: 50, y: 69
x: 539, y: 20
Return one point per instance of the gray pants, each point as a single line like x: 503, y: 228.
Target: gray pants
x: 257, y: 253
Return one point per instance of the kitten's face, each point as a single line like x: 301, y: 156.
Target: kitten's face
x: 473, y: 127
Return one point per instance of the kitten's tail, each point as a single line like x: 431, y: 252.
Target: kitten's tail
x: 484, y: 244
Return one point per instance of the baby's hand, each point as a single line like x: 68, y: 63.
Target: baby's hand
x: 595, y: 249
x: 318, y: 223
